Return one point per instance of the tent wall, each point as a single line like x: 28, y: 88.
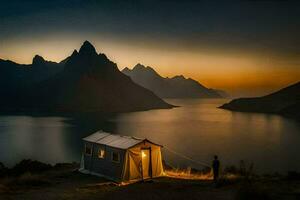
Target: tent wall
x: 87, y: 159
x: 132, y: 165
x: 105, y: 166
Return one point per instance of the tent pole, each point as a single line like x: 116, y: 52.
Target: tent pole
x: 142, y: 166
x: 150, y: 161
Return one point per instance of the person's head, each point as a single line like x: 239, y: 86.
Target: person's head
x: 216, y: 157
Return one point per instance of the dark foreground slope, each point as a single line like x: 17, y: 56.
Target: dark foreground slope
x: 63, y: 181
x: 175, y: 87
x: 285, y: 102
x: 89, y: 82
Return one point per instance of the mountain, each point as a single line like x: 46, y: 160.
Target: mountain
x: 285, y: 102
x: 175, y: 87
x: 15, y: 77
x: 39, y: 70
x: 88, y: 82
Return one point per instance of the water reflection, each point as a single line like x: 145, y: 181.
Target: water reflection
x: 197, y: 129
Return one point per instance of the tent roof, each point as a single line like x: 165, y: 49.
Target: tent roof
x: 117, y: 141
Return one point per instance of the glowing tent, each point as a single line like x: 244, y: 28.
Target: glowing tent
x: 121, y: 158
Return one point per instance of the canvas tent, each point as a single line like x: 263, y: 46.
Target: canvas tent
x: 121, y: 158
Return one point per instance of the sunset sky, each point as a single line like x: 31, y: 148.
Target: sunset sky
x: 246, y: 48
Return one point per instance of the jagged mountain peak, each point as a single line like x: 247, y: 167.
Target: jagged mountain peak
x: 75, y: 52
x: 126, y: 69
x: 37, y: 59
x: 140, y: 69
x: 138, y: 66
x: 179, y: 77
x: 87, y: 60
x: 87, y: 49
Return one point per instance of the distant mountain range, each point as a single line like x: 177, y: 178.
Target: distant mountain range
x: 84, y: 82
x: 15, y: 76
x: 284, y: 102
x: 175, y: 87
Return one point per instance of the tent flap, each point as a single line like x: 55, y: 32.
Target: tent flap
x: 133, y: 163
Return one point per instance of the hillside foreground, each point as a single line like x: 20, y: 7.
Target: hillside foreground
x: 63, y: 181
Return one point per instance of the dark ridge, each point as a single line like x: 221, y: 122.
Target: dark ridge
x: 175, y: 87
x: 284, y: 102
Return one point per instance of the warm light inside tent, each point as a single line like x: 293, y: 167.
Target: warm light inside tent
x: 143, y: 154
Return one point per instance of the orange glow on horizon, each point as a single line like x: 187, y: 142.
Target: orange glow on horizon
x: 238, y: 73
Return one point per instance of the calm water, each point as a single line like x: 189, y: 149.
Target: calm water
x: 196, y: 129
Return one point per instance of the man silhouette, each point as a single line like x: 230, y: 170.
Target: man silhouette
x: 216, y: 167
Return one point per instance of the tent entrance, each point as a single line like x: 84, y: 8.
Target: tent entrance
x: 146, y: 163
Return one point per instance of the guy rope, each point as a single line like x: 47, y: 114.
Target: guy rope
x: 204, y: 164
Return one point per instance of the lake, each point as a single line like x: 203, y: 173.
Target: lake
x: 197, y: 129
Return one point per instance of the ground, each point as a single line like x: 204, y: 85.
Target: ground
x: 68, y: 183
